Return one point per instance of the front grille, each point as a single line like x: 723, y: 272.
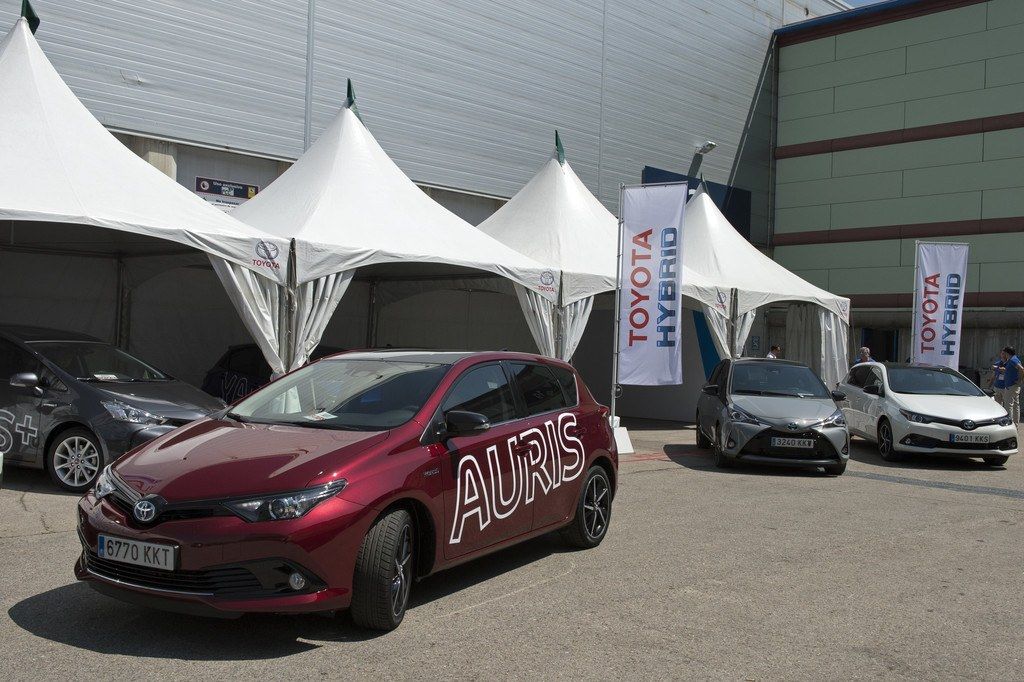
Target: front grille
x: 124, y: 498
x: 761, y: 445
x: 220, y: 582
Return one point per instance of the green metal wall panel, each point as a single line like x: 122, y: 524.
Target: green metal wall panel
x: 1004, y: 144
x: 807, y: 54
x: 834, y: 190
x: 924, y: 29
x: 804, y: 104
x: 1008, y: 99
x: 843, y: 71
x: 1004, y: 203
x: 923, y: 154
x: 950, y: 205
x: 1005, y: 70
x: 842, y: 124
x: 1005, y: 13
x: 802, y: 168
x: 911, y: 86
x: 965, y: 176
x: 802, y: 219
x: 967, y: 48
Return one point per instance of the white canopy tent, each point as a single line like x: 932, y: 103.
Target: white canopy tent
x: 730, y: 279
x: 346, y: 205
x: 86, y: 220
x: 555, y: 219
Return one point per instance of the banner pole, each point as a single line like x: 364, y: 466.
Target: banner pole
x: 915, y: 304
x: 618, y: 309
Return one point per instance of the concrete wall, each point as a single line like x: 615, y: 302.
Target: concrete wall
x: 847, y: 220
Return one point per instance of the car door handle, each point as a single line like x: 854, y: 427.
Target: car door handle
x: 48, y: 403
x: 576, y: 430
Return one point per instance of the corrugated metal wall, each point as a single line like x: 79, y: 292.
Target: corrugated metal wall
x: 462, y: 93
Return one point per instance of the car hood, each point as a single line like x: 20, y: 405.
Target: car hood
x: 975, y: 408
x: 171, y: 399
x: 214, y: 459
x: 782, y: 410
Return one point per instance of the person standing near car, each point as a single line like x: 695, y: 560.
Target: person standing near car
x: 864, y: 355
x: 1007, y: 380
x: 774, y: 353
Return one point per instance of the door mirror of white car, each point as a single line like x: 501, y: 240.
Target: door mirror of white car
x: 838, y: 396
x: 873, y: 389
x: 989, y: 392
x: 28, y: 380
x: 710, y: 389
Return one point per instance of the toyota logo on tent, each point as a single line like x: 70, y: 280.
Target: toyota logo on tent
x: 267, y: 250
x: 547, y: 278
x: 145, y: 511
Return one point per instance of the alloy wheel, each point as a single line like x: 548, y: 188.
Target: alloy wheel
x: 596, y: 506
x: 885, y: 439
x: 76, y: 461
x: 402, y: 582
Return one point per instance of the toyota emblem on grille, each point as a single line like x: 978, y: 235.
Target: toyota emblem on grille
x: 792, y: 426
x: 968, y: 425
x: 145, y: 511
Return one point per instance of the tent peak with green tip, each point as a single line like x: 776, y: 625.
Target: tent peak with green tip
x: 559, y: 149
x: 350, y: 99
x: 30, y: 16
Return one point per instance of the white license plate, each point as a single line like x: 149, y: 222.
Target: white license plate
x: 968, y: 438
x: 147, y: 554
x: 792, y: 442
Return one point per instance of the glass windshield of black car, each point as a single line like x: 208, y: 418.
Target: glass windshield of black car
x: 94, y: 361
x: 364, y: 395
x: 757, y: 378
x: 925, y: 381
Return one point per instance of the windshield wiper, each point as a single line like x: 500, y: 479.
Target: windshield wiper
x: 747, y: 391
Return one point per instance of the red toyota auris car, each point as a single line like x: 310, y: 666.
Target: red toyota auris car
x: 341, y: 483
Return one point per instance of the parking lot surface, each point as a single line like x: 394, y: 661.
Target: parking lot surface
x: 908, y: 570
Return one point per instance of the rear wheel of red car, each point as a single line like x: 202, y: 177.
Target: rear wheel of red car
x: 383, y: 577
x: 74, y: 460
x: 593, y: 511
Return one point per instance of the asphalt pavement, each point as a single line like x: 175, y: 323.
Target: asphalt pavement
x: 902, y: 571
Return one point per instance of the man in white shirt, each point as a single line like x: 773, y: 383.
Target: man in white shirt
x: 773, y: 353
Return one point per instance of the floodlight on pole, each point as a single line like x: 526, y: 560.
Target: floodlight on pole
x: 698, y: 157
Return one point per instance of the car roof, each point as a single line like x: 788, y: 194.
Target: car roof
x: 772, y: 361
x: 28, y: 334
x: 446, y: 357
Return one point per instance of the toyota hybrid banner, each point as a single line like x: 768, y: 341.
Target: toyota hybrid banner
x: 649, y: 279
x: 939, y: 302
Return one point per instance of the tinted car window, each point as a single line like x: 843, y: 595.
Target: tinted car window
x: 14, y: 360
x: 567, y: 379
x: 94, y: 361
x: 874, y: 378
x: 366, y: 395
x: 538, y: 387
x: 921, y: 381
x: 484, y: 390
x: 857, y: 376
x: 716, y: 373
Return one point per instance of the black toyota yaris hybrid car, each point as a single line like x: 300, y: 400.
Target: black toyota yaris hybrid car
x: 70, y: 403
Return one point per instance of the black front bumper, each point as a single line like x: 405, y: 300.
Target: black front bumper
x: 759, y: 449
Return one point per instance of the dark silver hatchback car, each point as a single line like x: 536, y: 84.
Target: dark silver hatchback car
x: 70, y: 403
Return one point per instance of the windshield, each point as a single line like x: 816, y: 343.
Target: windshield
x: 95, y: 361
x: 362, y: 395
x: 767, y: 378
x: 927, y: 381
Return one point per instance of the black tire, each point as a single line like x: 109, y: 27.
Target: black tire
x: 836, y: 469
x: 593, y: 511
x: 74, y: 460
x: 886, y: 445
x: 384, y: 573
x: 996, y: 461
x: 722, y: 461
x: 703, y: 442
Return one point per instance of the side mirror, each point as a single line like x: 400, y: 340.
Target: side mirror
x: 873, y: 389
x: 462, y: 423
x: 710, y: 389
x: 26, y: 380
x: 838, y: 396
x: 989, y: 392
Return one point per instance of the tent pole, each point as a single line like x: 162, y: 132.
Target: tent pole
x: 371, y: 316
x: 733, y: 318
x: 291, y: 291
x: 618, y: 315
x: 913, y: 312
x: 123, y: 310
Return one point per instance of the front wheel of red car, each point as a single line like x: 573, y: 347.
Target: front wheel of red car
x: 384, y: 573
x: 593, y: 511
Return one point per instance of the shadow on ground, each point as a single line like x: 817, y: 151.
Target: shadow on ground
x: 77, y: 616
x: 31, y: 480
x: 867, y: 453
x: 698, y: 459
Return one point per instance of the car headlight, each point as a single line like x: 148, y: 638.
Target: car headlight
x: 737, y: 414
x: 123, y: 412
x: 915, y: 417
x: 837, y: 419
x: 104, y: 483
x: 285, y: 505
x: 1005, y: 421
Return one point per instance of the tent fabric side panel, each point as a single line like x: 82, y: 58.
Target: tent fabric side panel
x: 803, y: 335
x: 574, y: 319
x: 834, y: 344
x: 541, y: 317
x: 315, y: 303
x: 719, y: 327
x: 258, y: 302
x: 744, y: 324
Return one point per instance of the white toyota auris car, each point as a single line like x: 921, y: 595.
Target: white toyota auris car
x: 925, y: 409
